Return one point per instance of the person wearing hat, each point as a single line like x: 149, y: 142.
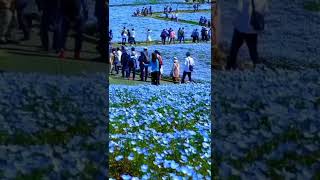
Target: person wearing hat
x: 188, y: 67
x: 175, y: 72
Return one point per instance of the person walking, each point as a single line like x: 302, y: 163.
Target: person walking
x: 244, y: 31
x: 124, y: 35
x: 117, y: 60
x: 133, y: 63
x: 125, y: 57
x: 154, y: 68
x: 7, y: 16
x: 143, y: 63
x: 163, y: 36
x: 182, y: 35
x: 73, y: 12
x: 159, y: 57
x: 133, y: 36
x: 175, y: 72
x: 149, y: 39
x: 172, y: 37
x: 112, y: 59
x: 188, y: 67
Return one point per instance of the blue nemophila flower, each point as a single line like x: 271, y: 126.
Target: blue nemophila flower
x: 118, y: 158
x: 126, y: 177
x: 131, y: 157
x: 144, y: 168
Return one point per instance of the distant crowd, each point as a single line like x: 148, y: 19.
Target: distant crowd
x: 167, y: 36
x: 144, y: 11
x: 148, y: 64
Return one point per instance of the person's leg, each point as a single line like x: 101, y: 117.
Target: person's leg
x: 122, y: 71
x: 133, y: 73
x: 5, y: 19
x: 64, y: 29
x: 78, y: 39
x: 183, y: 76
x: 252, y: 41
x: 237, y: 41
x: 189, y: 76
x: 146, y: 73
x: 128, y: 70
x: 44, y: 31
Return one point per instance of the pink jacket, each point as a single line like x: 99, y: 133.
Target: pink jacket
x: 172, y: 34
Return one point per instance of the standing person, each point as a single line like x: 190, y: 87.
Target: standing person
x: 25, y: 9
x: 143, y: 66
x: 133, y: 36
x: 175, y: 72
x: 125, y: 62
x: 117, y: 60
x: 110, y: 36
x: 182, y: 35
x: 169, y: 32
x: 150, y: 10
x: 132, y: 63
x: 203, y: 34
x: 7, y: 10
x: 188, y: 67
x: 244, y: 31
x: 195, y: 36
x: 163, y: 36
x: 154, y: 68
x: 146, y: 61
x: 129, y: 37
x: 112, y: 59
x: 159, y: 57
x: 172, y: 36
x: 179, y: 35
x: 124, y: 35
x: 50, y: 13
x: 149, y: 36
x: 73, y: 11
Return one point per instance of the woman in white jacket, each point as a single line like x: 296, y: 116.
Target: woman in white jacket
x: 244, y: 31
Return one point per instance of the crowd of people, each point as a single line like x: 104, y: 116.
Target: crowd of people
x: 205, y: 35
x: 204, y: 22
x: 58, y: 16
x: 148, y: 64
x: 144, y: 11
x: 170, y: 36
x: 196, y: 7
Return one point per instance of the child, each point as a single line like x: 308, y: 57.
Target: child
x: 175, y: 72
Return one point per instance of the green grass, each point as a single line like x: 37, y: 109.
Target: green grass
x: 46, y: 64
x: 312, y: 6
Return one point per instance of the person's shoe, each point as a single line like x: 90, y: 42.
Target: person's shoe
x: 61, y: 54
x: 77, y: 55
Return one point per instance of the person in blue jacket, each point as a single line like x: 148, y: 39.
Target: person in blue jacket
x: 154, y: 68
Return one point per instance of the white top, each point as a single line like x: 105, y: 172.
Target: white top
x: 133, y: 34
x: 118, y: 55
x: 188, y: 61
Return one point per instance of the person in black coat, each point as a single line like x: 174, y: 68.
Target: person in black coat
x: 125, y: 57
x: 49, y: 12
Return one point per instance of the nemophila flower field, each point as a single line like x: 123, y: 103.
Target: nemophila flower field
x: 268, y: 123
x: 201, y: 53
x: 50, y: 126
x: 121, y: 16
x: 160, y: 132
